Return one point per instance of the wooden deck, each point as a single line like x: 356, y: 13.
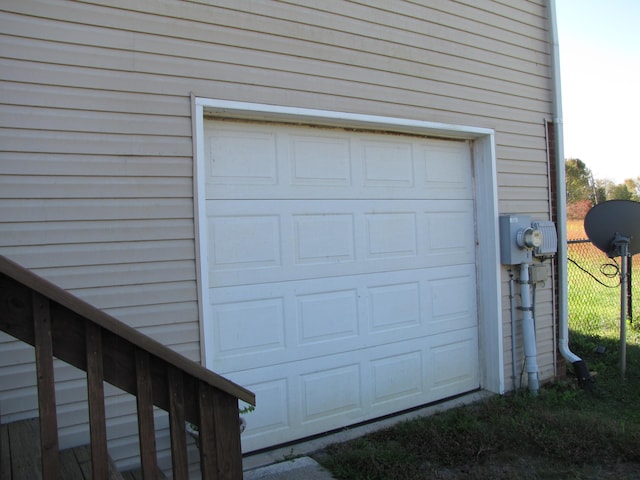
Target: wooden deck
x: 20, y: 456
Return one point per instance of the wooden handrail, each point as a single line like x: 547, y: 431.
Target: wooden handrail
x: 61, y: 325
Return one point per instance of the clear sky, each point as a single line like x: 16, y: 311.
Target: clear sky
x: 600, y: 69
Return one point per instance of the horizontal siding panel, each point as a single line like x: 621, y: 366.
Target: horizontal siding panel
x: 89, y: 99
x: 85, y: 77
x: 141, y: 316
x: 507, y: 7
x: 524, y: 193
x: 535, y: 208
x: 188, y: 350
x: 97, y: 254
x: 73, y: 392
x: 120, y: 423
x: 41, y: 118
x: 52, y: 187
x: 56, y: 233
x: 525, y: 167
x: 34, y: 210
x: 460, y: 27
x: 72, y: 278
x: 264, y: 74
x: 231, y: 49
x: 125, y: 404
x: 18, y: 376
x: 106, y: 101
x: 128, y: 295
x: 19, y: 404
x: 546, y: 362
x: 51, y: 141
x: 524, y: 127
x: 65, y: 372
x: 173, y: 334
x: 284, y: 20
x: 15, y: 352
x: 303, y: 24
x: 528, y: 142
x: 510, y: 157
x: 19, y: 163
x: 506, y: 180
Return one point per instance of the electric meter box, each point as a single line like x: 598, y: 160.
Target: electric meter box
x: 511, y: 226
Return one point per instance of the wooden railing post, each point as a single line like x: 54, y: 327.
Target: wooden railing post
x: 95, y: 388
x: 208, y: 442
x: 46, y: 386
x: 176, y: 424
x: 146, y: 428
x: 220, y: 449
x: 227, y: 424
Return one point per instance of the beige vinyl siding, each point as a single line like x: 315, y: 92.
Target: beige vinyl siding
x: 96, y: 167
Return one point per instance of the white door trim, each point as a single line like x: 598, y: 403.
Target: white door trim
x: 486, y: 200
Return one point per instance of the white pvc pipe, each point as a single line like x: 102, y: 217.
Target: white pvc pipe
x: 528, y: 330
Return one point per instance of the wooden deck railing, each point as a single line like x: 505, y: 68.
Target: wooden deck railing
x: 60, y: 325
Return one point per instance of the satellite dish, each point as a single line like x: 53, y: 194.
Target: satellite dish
x: 614, y: 227
x: 609, y: 224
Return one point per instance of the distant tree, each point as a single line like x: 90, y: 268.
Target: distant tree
x: 578, y: 210
x: 578, y: 179
x: 603, y: 189
x: 619, y: 192
x: 583, y: 191
x: 600, y: 193
x: 633, y: 185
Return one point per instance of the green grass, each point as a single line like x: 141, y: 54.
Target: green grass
x: 563, y: 433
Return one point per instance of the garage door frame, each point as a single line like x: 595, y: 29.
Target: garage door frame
x: 486, y: 205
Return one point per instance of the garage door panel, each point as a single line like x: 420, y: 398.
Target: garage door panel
x: 337, y: 390
x: 452, y: 361
x: 327, y: 316
x: 274, y: 415
x: 323, y: 238
x: 377, y: 171
x: 253, y: 326
x: 341, y: 273
x: 242, y: 157
x: 274, y: 241
x: 319, y: 161
x: 245, y: 242
x: 277, y: 323
x: 451, y: 302
x: 330, y: 392
x: 397, y: 378
x: 447, y: 167
x: 263, y: 161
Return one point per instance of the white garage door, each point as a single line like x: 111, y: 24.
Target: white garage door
x: 342, y: 274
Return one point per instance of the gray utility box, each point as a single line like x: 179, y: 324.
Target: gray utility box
x: 511, y: 227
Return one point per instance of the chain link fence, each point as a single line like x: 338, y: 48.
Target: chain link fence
x: 595, y: 291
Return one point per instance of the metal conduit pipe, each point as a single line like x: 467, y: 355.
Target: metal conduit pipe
x: 579, y: 366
